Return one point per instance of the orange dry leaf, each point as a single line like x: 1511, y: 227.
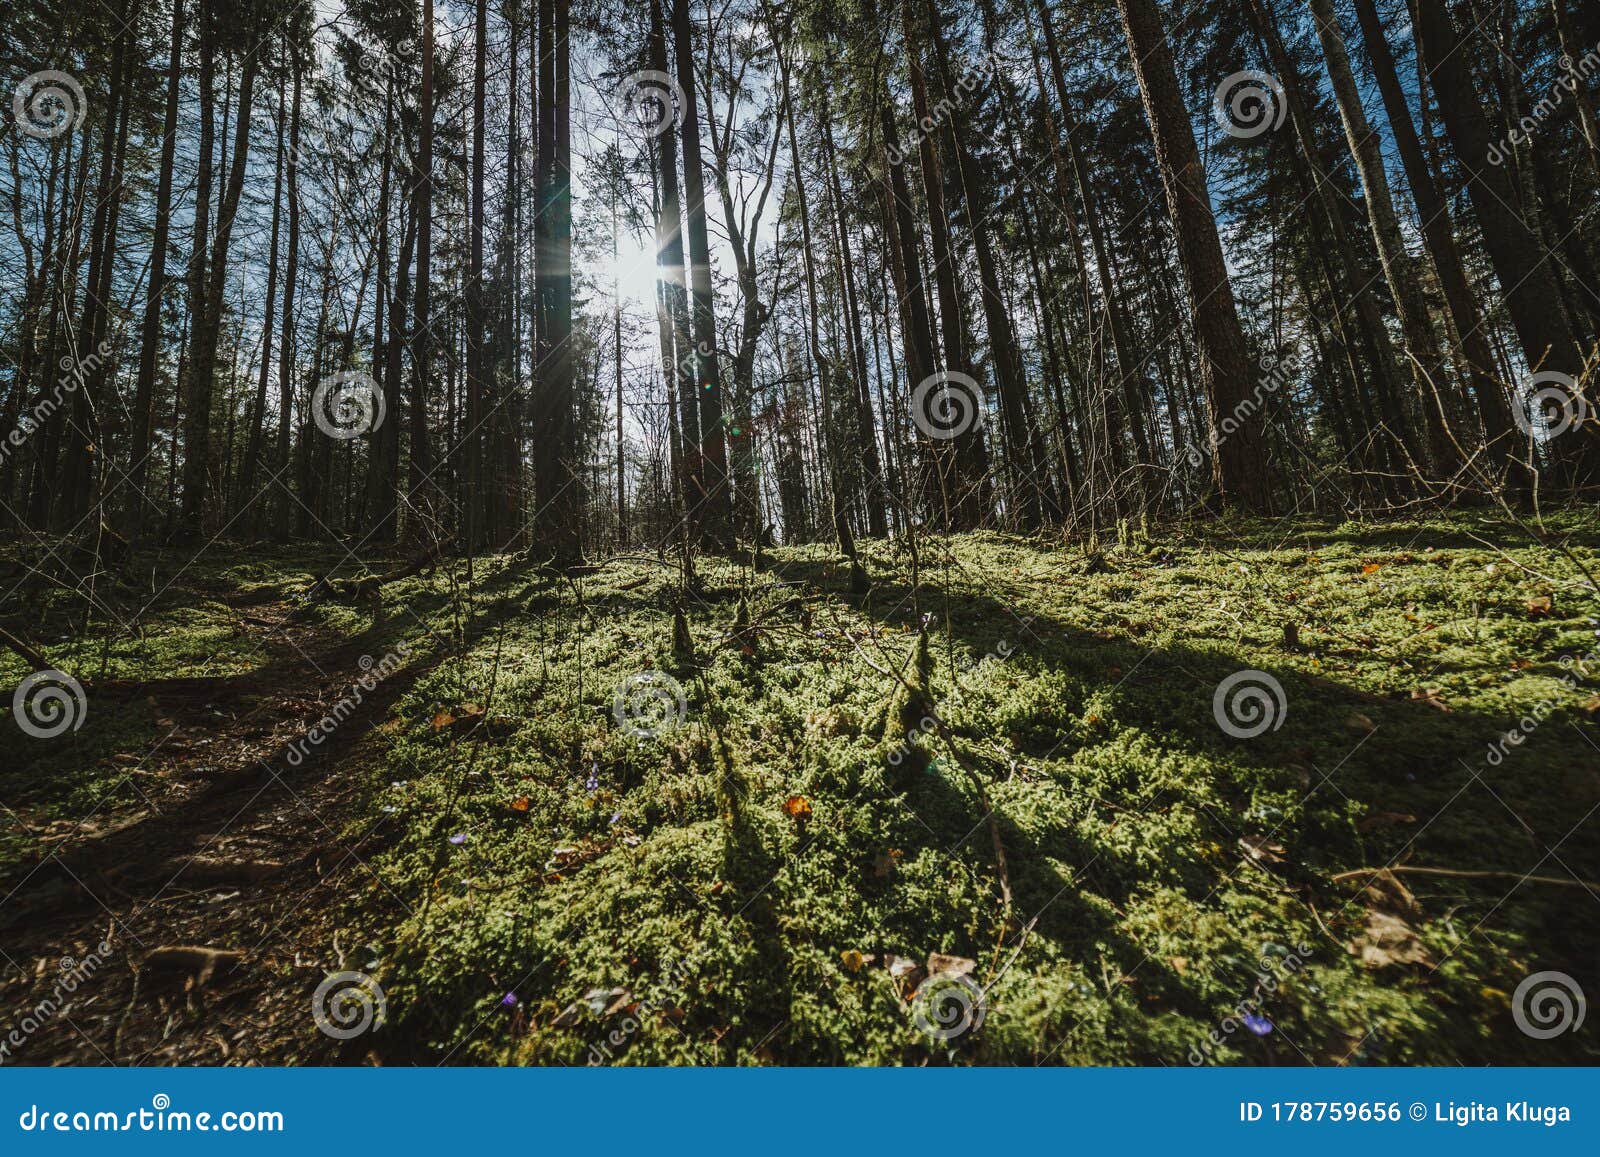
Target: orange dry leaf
x: 442, y: 720
x: 797, y: 807
x: 521, y: 804
x: 1369, y: 567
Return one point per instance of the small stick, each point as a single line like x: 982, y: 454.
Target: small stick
x: 1461, y: 873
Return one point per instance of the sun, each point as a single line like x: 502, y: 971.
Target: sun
x: 632, y: 272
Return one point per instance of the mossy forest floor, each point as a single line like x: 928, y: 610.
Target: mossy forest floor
x: 528, y: 882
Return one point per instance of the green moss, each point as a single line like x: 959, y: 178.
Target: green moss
x: 670, y: 867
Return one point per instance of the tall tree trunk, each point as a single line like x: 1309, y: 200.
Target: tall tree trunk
x: 383, y: 463
x: 1239, y: 464
x: 81, y: 436
x: 1121, y: 402
x: 472, y: 488
x: 1026, y: 463
x: 966, y: 487
x: 1573, y: 50
x: 281, y: 508
x: 197, y: 427
x: 1323, y: 183
x: 1533, y: 297
x: 555, y: 476
x: 1439, y: 234
x: 252, y: 454
x: 1438, y: 391
x: 144, y: 393
x: 674, y: 291
x: 420, y: 485
x: 715, y: 521
x: 875, y: 495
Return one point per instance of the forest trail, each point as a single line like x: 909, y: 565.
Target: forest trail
x: 237, y: 851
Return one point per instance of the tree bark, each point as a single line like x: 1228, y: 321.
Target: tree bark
x: 139, y: 447
x: 1533, y: 297
x: 1239, y: 465
x: 1437, y: 389
x: 1439, y: 234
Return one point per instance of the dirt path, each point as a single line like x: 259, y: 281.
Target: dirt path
x: 241, y: 848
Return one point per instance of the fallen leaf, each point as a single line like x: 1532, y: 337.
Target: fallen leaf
x: 1431, y: 696
x: 852, y: 959
x: 1370, y: 567
x: 797, y: 807
x: 442, y: 720
x: 1359, y: 724
x: 900, y: 966
x: 521, y: 804
x: 1180, y: 964
x: 1539, y: 606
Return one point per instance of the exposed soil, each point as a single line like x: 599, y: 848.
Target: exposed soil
x: 236, y: 850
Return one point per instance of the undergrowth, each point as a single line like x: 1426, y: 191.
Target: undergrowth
x: 752, y: 885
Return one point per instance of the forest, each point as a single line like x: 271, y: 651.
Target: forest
x: 727, y: 532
